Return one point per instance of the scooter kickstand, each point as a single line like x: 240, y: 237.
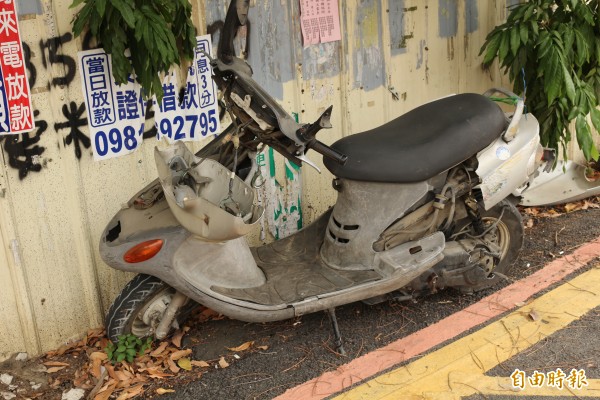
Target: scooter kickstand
x: 339, y: 346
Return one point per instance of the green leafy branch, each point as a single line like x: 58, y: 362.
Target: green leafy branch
x: 553, y: 48
x: 127, y: 348
x: 153, y: 30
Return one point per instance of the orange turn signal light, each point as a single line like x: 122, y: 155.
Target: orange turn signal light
x: 143, y: 251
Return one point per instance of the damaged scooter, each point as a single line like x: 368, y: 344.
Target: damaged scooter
x: 423, y: 203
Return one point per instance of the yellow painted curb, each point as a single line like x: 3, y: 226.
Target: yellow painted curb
x: 457, y: 370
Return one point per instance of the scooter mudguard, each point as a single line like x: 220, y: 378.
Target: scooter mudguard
x: 506, y: 166
x: 566, y: 183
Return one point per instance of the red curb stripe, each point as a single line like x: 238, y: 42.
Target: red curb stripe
x: 415, y: 344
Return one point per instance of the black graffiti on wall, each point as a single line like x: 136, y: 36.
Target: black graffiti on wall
x: 51, y: 55
x: 76, y: 119
x: 24, y: 153
x: 23, y: 150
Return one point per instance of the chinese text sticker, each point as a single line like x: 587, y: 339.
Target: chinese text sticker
x: 197, y: 115
x: 16, y: 114
x: 320, y: 21
x: 116, y: 112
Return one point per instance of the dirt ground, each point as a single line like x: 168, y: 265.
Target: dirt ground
x: 285, y: 354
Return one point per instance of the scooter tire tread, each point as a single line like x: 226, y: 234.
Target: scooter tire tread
x: 133, y: 296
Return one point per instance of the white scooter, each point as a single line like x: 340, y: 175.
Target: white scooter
x: 422, y: 205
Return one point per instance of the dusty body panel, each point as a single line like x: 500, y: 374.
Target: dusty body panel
x: 564, y: 184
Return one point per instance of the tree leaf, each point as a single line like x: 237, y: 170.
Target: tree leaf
x: 569, y: 86
x: 202, y: 364
x: 552, y: 75
x: 101, y: 7
x: 126, y: 11
x: 492, y: 48
x: 222, y: 363
x: 515, y: 40
x: 504, y: 46
x: 595, y: 114
x: 524, y: 33
x: 76, y: 3
x: 185, y: 363
x: 242, y: 347
x: 584, y: 137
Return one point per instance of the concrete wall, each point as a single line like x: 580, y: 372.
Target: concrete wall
x: 55, y: 200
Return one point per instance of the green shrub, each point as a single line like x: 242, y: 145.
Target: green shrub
x: 552, y: 49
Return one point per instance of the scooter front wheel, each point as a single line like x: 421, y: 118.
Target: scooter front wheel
x: 140, y: 307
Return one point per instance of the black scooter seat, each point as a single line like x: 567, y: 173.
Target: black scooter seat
x: 421, y: 143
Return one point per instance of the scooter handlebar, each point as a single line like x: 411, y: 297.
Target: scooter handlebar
x: 328, y: 152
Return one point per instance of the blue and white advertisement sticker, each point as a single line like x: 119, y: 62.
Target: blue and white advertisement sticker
x: 116, y: 113
x: 197, y: 115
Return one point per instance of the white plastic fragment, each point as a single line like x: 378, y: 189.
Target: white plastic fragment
x: 6, y: 379
x: 22, y: 357
x: 73, y: 394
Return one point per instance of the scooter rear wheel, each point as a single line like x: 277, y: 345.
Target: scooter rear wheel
x: 140, y: 306
x: 507, y: 234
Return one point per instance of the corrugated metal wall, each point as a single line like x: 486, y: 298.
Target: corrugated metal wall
x: 55, y: 200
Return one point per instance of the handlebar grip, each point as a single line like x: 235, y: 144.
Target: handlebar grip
x: 328, y: 152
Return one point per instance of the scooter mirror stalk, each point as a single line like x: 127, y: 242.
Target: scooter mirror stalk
x: 242, y: 7
x: 237, y: 15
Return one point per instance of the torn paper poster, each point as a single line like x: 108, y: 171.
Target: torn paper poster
x: 16, y: 113
x: 198, y: 114
x: 320, y: 21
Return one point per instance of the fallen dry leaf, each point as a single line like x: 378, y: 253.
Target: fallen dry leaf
x: 155, y: 372
x: 55, y: 364
x: 163, y: 391
x: 200, y: 364
x: 569, y: 207
x: 241, y: 347
x: 223, y: 363
x: 55, y: 369
x: 174, y: 368
x: 181, y: 353
x: 96, y: 370
x: 179, y: 335
x: 533, y: 315
x: 98, y: 355
x: 185, y: 363
x: 131, y: 392
x: 158, y: 351
x: 106, y: 392
x: 262, y: 347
